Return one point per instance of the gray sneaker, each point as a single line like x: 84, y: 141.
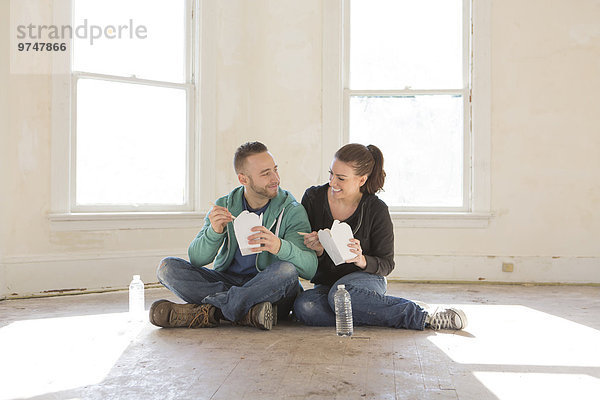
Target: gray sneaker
x: 446, y: 318
x: 260, y: 316
x: 166, y: 314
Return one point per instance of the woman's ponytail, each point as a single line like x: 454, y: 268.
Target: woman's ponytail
x: 377, y: 178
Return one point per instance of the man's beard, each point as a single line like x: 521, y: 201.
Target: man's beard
x: 263, y: 191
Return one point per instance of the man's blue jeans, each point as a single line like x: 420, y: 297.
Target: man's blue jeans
x: 233, y: 294
x: 370, y: 305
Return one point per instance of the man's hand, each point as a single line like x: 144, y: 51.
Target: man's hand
x: 267, y: 240
x: 219, y: 218
x: 311, y: 240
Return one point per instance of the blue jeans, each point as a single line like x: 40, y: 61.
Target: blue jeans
x: 370, y: 305
x: 233, y: 294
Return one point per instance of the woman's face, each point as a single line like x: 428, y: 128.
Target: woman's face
x: 343, y: 181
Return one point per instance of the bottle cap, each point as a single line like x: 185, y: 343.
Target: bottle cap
x: 136, y: 277
x: 341, y: 286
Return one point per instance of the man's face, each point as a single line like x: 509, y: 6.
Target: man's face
x: 260, y: 176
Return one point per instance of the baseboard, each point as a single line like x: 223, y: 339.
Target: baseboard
x: 43, y: 275
x: 527, y: 269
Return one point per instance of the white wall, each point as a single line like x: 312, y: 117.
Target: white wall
x: 4, y: 133
x: 545, y: 144
x: 269, y: 86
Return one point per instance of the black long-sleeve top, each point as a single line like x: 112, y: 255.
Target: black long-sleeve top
x: 371, y: 224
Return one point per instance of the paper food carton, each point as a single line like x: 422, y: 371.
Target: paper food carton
x: 335, y: 242
x: 242, y: 225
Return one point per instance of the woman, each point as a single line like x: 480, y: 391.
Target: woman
x: 356, y: 174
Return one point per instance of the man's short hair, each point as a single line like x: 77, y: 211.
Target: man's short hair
x: 244, y: 151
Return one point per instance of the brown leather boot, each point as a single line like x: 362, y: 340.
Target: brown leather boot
x: 260, y: 316
x: 166, y: 314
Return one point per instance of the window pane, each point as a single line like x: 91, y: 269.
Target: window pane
x: 131, y: 144
x: 158, y: 56
x: 421, y: 138
x: 398, y: 44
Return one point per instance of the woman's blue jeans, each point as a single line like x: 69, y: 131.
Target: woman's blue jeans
x: 232, y: 293
x: 370, y: 305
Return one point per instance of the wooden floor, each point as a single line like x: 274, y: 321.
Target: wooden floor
x: 523, y: 342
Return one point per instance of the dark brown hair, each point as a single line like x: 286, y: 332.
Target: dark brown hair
x: 366, y: 160
x: 244, y: 151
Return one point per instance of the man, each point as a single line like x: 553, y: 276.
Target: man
x: 246, y: 290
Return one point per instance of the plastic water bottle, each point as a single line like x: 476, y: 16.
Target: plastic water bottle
x: 136, y: 299
x: 343, y: 312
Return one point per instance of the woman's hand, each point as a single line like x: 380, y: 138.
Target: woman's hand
x: 360, y: 260
x: 311, y: 240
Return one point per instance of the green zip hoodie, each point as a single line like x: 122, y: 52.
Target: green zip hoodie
x: 283, y: 207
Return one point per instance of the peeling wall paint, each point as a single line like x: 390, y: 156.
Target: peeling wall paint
x: 28, y: 143
x: 585, y: 34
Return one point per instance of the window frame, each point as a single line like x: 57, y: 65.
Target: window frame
x: 64, y: 214
x: 189, y: 88
x: 476, y: 98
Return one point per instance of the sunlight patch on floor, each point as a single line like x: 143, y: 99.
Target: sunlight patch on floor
x: 515, y: 386
x: 520, y: 336
x: 56, y: 354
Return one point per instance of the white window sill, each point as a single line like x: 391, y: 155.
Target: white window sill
x: 162, y: 220
x: 440, y: 220
x: 125, y: 220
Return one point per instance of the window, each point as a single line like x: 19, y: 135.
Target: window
x: 129, y: 148
x: 132, y: 131
x: 412, y: 77
x: 408, y: 93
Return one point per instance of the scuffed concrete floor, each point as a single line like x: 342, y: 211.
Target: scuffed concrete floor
x: 529, y: 342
